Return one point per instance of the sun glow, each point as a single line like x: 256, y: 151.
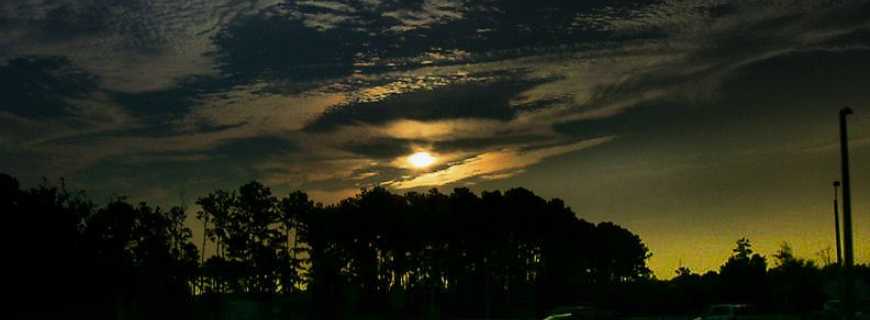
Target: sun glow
x: 421, y: 159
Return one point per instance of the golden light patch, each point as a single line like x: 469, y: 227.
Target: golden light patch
x: 421, y: 159
x: 495, y: 164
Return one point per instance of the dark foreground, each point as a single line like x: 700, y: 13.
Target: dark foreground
x: 376, y: 255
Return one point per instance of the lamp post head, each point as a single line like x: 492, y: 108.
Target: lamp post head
x: 845, y: 111
x: 836, y: 184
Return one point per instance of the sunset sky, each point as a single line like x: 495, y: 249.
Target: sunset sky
x: 692, y: 123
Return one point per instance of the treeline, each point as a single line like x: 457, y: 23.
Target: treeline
x: 379, y: 252
x: 782, y: 283
x: 505, y: 254
x: 65, y: 256
x: 398, y: 256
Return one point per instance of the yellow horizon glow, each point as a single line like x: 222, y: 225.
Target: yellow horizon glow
x: 421, y: 159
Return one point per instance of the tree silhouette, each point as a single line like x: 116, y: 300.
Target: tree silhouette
x: 71, y: 257
x: 292, y: 210
x: 413, y: 255
x: 144, y: 254
x: 493, y: 255
x: 796, y: 283
x: 251, y: 232
x: 470, y: 254
x: 743, y: 270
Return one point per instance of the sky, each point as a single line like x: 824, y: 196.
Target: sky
x: 692, y: 123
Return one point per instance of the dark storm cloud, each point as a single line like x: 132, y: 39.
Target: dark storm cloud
x: 275, y: 47
x: 489, y: 100
x: 68, y: 21
x: 500, y: 25
x: 40, y: 87
x: 383, y: 148
x: 174, y: 101
x: 308, y: 41
x: 136, y: 21
x: 57, y: 20
x: 132, y: 45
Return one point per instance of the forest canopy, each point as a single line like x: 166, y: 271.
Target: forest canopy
x: 492, y: 254
x: 376, y: 251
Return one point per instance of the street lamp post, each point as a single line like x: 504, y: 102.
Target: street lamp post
x: 848, y: 299
x: 837, y: 226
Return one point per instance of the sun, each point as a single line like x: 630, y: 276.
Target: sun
x: 421, y: 159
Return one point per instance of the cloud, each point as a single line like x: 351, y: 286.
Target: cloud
x: 493, y: 164
x: 268, y: 113
x: 40, y: 87
x: 488, y: 100
x: 430, y: 12
x: 133, y: 45
x: 297, y: 170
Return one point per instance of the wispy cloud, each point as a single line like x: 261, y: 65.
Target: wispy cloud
x: 429, y: 13
x: 493, y: 164
x: 132, y: 45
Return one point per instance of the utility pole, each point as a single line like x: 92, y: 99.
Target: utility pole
x: 848, y: 290
x: 837, y: 226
